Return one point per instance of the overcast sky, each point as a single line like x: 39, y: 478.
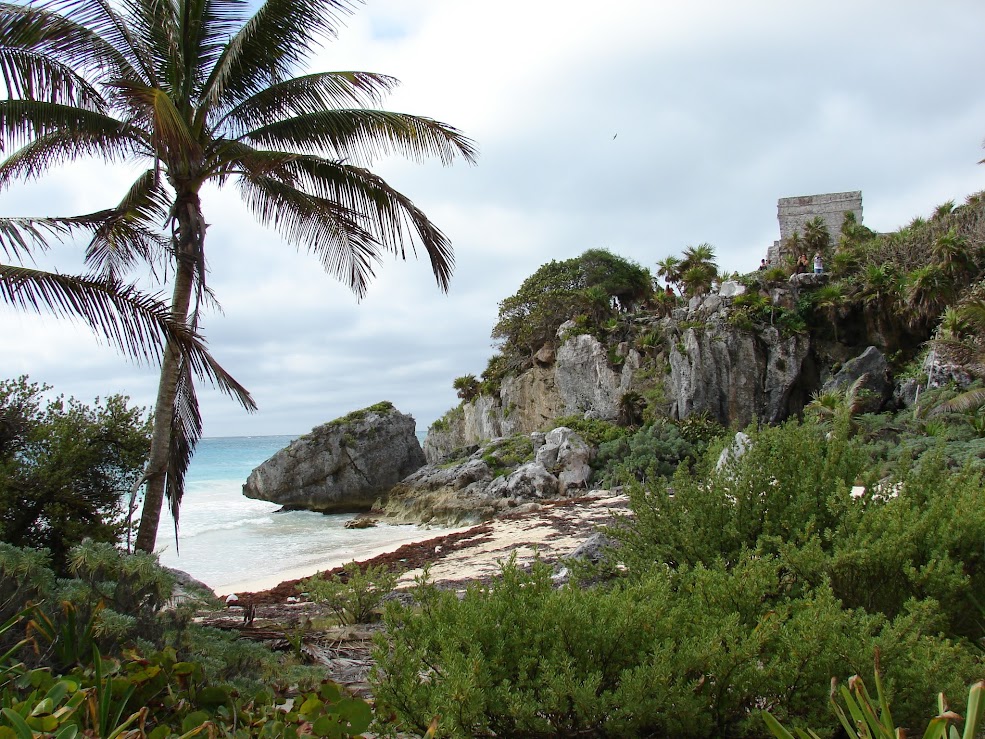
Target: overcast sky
x: 638, y: 126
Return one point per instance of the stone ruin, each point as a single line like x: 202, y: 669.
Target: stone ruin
x: 793, y: 213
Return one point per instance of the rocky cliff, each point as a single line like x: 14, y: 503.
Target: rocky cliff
x: 579, y: 379
x: 717, y: 356
x: 342, y: 466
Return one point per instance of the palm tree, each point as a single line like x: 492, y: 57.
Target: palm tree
x: 928, y: 291
x: 961, y: 339
x: 817, y: 237
x: 204, y: 92
x: 953, y: 254
x: 698, y: 269
x: 133, y: 322
x: 669, y: 269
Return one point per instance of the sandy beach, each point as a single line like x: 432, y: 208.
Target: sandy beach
x: 550, y: 531
x: 401, y: 536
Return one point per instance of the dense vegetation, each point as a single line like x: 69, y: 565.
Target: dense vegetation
x: 594, y: 287
x: 741, y: 587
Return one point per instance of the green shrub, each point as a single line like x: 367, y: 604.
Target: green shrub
x: 506, y: 454
x: 651, y: 453
x: 354, y: 594
x: 793, y: 482
x: 692, y: 653
x: 594, y: 431
x: 65, y: 467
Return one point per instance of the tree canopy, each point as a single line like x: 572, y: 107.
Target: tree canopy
x: 559, y: 291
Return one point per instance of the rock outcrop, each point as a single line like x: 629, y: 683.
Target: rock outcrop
x: 737, y: 355
x: 736, y: 376
x: 342, y: 466
x: 500, y: 476
x: 867, y: 376
x: 580, y: 381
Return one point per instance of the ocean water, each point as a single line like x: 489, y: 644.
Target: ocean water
x: 233, y: 543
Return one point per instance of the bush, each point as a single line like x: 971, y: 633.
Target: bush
x: 354, y: 594
x: 651, y: 453
x: 694, y: 653
x: 791, y: 484
x: 65, y: 467
x: 594, y: 431
x: 558, y: 291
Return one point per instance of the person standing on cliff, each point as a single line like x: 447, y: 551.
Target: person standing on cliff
x: 818, y: 264
x: 801, y: 267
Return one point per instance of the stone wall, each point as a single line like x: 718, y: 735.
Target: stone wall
x: 793, y: 213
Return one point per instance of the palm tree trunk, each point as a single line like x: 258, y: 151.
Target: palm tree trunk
x: 188, y: 240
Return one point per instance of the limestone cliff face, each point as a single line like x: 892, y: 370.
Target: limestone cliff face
x: 714, y: 360
x: 736, y: 376
x: 580, y: 381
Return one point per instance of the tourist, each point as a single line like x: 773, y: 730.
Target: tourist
x: 763, y: 265
x: 801, y: 267
x: 818, y: 264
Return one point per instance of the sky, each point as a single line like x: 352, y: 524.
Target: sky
x: 637, y: 126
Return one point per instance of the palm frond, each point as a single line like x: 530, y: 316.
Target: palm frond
x: 131, y: 232
x: 308, y: 94
x: 967, y: 401
x: 127, y: 318
x: 364, y: 136
x: 279, y: 37
x: 390, y: 216
x: 347, y: 250
x: 20, y: 236
x: 169, y: 130
x: 186, y: 431
x: 45, y: 56
x: 32, y: 76
x: 118, y: 44
x: 206, y: 367
x: 55, y: 133
x: 205, y: 28
x: 228, y: 157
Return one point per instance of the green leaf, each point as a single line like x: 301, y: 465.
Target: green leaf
x: 327, y: 725
x: 69, y: 731
x: 212, y: 697
x: 194, y: 720
x: 20, y: 726
x: 775, y: 727
x: 975, y: 709
x: 356, y: 713
x: 312, y: 706
x: 330, y: 692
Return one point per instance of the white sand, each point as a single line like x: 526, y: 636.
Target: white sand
x: 400, y: 537
x: 550, y: 533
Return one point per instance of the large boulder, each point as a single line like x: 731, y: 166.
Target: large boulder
x: 342, y: 466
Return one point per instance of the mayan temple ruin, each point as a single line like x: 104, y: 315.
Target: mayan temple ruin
x: 793, y: 213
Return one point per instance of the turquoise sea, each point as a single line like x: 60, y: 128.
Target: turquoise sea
x: 232, y: 543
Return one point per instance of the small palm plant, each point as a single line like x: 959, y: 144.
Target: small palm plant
x: 865, y: 718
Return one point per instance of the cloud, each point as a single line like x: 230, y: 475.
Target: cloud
x: 641, y: 127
